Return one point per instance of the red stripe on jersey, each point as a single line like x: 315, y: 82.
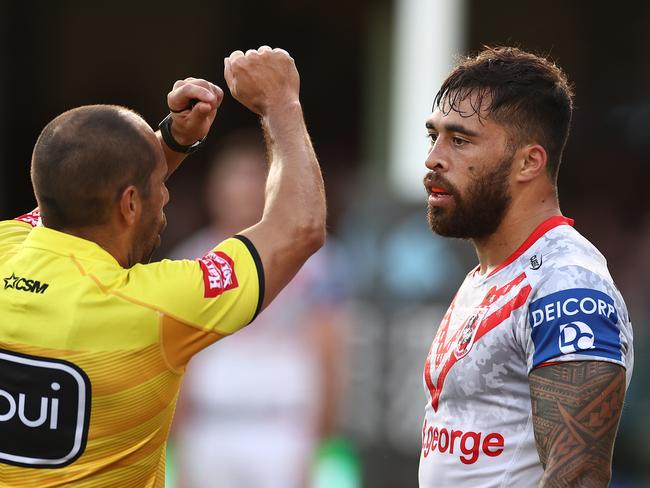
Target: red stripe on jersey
x: 486, y: 325
x: 495, y: 293
x: 541, y: 229
x: 503, y: 313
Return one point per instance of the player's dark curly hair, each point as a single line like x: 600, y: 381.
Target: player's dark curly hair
x: 84, y: 159
x: 526, y: 93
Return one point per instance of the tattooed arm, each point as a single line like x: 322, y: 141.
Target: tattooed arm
x: 576, y: 408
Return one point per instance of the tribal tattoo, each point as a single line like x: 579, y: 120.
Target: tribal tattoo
x: 576, y: 408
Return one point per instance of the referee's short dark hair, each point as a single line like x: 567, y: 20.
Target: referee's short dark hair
x: 528, y: 94
x: 84, y: 159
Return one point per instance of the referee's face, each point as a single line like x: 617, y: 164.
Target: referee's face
x: 469, y: 164
x: 153, y: 220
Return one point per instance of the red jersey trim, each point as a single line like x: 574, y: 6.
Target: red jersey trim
x: 548, y: 363
x: 541, y: 229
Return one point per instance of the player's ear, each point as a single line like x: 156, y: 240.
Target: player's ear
x: 531, y: 162
x: 130, y: 205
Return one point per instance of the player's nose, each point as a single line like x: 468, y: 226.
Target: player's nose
x: 435, y: 159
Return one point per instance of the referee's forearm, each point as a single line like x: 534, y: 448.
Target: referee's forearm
x: 295, y: 195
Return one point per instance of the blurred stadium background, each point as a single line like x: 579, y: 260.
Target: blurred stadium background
x: 369, y: 72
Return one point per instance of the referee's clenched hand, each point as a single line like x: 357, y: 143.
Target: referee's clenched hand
x: 193, y: 103
x: 262, y: 80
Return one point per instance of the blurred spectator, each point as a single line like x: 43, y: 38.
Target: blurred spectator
x: 254, y: 407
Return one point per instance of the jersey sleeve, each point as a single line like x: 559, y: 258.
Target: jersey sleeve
x: 579, y: 317
x: 220, y: 292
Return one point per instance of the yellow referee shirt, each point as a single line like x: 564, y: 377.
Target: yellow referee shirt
x: 92, y: 354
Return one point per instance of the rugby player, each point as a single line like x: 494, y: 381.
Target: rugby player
x: 527, y: 373
x: 94, y: 341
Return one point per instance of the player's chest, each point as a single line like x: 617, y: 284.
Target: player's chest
x: 476, y: 334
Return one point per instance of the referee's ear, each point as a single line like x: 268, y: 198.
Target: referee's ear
x: 130, y: 205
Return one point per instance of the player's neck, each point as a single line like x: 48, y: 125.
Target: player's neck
x: 521, y: 219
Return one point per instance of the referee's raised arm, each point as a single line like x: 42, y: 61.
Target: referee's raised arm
x: 293, y: 223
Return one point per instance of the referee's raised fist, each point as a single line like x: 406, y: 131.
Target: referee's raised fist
x: 193, y: 103
x: 263, y: 80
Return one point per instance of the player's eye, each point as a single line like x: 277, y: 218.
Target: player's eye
x: 458, y: 142
x: 432, y: 136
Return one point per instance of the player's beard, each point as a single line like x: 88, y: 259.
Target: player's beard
x: 480, y: 211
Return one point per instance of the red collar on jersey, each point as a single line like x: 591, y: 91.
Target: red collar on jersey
x: 541, y: 229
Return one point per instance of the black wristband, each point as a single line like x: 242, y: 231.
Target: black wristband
x: 165, y: 127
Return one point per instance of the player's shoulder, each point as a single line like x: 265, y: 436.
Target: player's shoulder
x: 575, y: 311
x: 566, y: 267
x: 565, y: 256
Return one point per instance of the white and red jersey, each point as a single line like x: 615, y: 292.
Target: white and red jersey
x: 552, y: 300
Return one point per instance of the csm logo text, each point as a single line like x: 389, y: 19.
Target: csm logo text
x: 14, y: 282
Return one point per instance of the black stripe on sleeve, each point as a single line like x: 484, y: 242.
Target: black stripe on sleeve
x: 260, y: 271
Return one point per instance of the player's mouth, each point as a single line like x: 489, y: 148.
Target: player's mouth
x: 438, y: 196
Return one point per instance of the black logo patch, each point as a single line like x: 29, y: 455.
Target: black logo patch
x: 535, y: 263
x: 44, y: 411
x: 23, y: 284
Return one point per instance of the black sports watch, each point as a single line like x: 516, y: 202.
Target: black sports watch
x: 165, y: 127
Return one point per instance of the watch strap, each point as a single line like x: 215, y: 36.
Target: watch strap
x: 165, y: 127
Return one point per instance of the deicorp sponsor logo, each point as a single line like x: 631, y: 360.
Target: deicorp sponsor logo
x: 468, y: 446
x: 44, y: 411
x: 575, y: 336
x: 14, y: 282
x: 575, y: 321
x: 563, y: 305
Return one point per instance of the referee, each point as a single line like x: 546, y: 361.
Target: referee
x: 94, y: 340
